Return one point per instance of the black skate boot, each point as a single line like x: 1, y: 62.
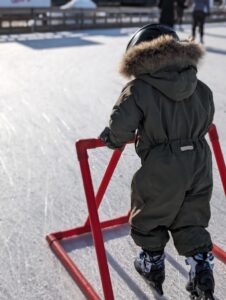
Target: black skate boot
x: 201, y: 282
x: 152, y: 269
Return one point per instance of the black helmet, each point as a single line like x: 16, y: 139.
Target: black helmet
x: 150, y: 32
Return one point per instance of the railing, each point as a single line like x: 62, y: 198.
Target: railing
x: 54, y: 19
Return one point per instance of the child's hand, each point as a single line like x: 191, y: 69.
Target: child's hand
x: 104, y: 137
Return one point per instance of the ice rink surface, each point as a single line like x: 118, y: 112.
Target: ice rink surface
x: 56, y: 88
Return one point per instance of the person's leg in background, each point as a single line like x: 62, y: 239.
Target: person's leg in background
x: 202, y: 17
x: 194, y: 24
x: 180, y: 13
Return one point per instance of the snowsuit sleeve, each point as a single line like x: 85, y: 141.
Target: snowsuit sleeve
x: 125, y: 117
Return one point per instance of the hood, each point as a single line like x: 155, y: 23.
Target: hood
x: 167, y: 64
x: 176, y: 85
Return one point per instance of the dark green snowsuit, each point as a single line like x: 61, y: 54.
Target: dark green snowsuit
x: 171, y: 111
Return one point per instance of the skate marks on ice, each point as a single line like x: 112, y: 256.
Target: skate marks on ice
x: 85, y: 240
x: 176, y: 265
x: 47, y: 185
x: 133, y: 286
x: 8, y: 132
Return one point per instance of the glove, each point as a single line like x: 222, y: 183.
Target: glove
x: 105, y: 138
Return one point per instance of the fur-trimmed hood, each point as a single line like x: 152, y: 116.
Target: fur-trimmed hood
x: 158, y: 54
x: 166, y: 64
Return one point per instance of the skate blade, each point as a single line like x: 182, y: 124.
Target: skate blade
x: 208, y: 295
x: 153, y: 285
x: 157, y: 287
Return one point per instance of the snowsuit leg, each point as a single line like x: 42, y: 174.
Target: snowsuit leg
x: 171, y: 191
x: 194, y: 24
x: 188, y: 229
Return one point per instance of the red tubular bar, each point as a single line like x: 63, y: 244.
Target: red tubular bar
x: 72, y: 269
x: 94, y: 218
x: 86, y: 229
x: 214, y: 138
x: 106, y: 179
x: 70, y: 232
x: 83, y: 145
x: 219, y: 253
x: 93, y: 224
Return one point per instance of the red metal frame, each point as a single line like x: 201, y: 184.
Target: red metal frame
x: 214, y: 138
x: 93, y: 224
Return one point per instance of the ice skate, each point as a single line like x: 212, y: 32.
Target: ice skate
x: 152, y: 269
x: 201, y: 282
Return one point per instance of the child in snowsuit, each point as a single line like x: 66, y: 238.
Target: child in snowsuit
x: 169, y: 111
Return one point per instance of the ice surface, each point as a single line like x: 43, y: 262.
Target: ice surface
x: 56, y: 88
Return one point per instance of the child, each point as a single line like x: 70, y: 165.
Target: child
x: 169, y: 112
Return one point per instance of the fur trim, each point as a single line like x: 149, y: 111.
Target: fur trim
x: 165, y: 51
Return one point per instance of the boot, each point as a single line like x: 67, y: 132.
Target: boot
x: 201, y: 281
x: 152, y: 269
